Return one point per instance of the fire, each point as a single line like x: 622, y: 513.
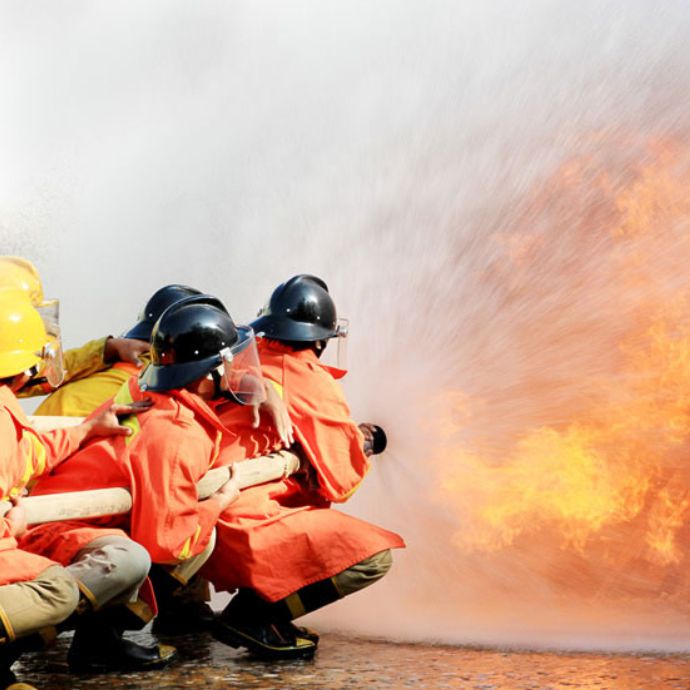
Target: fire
x: 594, y: 462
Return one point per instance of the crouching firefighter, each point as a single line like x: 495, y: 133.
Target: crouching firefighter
x: 194, y: 349
x: 281, y: 544
x: 36, y: 593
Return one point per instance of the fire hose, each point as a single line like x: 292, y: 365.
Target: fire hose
x: 99, y: 502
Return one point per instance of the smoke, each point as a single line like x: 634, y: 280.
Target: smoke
x: 464, y: 177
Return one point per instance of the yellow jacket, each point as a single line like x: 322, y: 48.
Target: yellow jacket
x: 79, y: 362
x: 81, y: 397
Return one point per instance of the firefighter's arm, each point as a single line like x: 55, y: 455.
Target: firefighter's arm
x: 59, y: 444
x: 276, y: 411
x: 124, y: 350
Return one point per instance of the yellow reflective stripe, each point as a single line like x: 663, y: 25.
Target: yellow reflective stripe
x: 124, y: 397
x: 349, y: 493
x: 216, y: 448
x: 278, y: 387
x: 133, y: 423
x: 39, y: 453
x: 295, y: 605
x: 189, y: 543
x: 28, y: 473
x: 35, y: 458
x: 9, y: 630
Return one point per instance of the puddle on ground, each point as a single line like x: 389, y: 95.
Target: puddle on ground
x: 345, y: 662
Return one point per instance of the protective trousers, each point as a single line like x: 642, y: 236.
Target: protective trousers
x: 110, y: 570
x: 26, y: 607
x: 173, y: 583
x: 247, y: 604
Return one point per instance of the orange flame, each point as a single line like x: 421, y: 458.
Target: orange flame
x: 610, y: 476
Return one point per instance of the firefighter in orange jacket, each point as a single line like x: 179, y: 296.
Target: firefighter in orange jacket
x: 82, y: 396
x: 281, y: 544
x: 34, y: 592
x: 197, y: 354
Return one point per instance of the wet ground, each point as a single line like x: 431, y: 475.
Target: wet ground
x: 344, y: 662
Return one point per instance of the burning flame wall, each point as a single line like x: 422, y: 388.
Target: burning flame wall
x: 497, y: 196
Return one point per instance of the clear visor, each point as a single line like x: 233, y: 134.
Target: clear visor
x: 242, y: 371
x: 53, y: 364
x: 335, y: 354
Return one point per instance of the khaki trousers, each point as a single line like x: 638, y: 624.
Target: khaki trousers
x: 26, y: 607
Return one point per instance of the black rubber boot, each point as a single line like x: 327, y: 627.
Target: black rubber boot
x: 299, y: 631
x: 8, y: 681
x: 183, y: 617
x: 181, y: 609
x: 7, y: 678
x: 99, y: 647
x: 246, y: 622
x: 264, y: 640
x: 10, y: 652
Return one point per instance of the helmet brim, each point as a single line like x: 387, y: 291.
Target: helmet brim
x: 282, y: 328
x: 166, y: 377
x: 140, y: 331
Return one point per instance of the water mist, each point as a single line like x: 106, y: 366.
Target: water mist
x: 495, y: 195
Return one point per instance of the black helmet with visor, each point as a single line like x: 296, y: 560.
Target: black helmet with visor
x: 196, y: 337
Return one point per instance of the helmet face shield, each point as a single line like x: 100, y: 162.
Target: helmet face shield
x: 241, y: 369
x: 53, y: 364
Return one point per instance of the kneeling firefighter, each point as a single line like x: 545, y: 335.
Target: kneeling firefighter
x: 281, y: 544
x: 36, y: 593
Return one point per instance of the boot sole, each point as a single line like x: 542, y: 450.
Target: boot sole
x: 236, y: 638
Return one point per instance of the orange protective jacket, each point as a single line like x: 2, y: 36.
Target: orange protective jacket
x: 24, y: 455
x: 281, y: 536
x: 172, y: 446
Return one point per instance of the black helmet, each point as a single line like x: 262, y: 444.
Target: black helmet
x: 299, y: 310
x: 157, y: 304
x: 187, y: 342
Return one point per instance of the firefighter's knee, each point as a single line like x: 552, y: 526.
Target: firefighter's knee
x: 364, y: 573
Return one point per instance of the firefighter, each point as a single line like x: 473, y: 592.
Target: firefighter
x: 35, y: 592
x: 281, y: 544
x: 197, y: 355
x: 18, y: 273
x: 82, y: 396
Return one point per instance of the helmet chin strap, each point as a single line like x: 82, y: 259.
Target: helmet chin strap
x: 319, y: 347
x: 218, y: 392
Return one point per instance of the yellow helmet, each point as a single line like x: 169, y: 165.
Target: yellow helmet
x: 17, y: 273
x: 22, y: 334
